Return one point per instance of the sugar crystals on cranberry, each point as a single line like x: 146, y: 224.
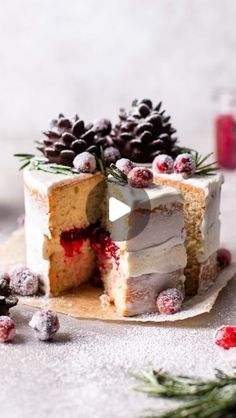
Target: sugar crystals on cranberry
x: 169, y: 301
x: 24, y: 282
x: 140, y: 177
x: 45, y: 324
x: 185, y: 164
x: 7, y: 329
x: 163, y: 164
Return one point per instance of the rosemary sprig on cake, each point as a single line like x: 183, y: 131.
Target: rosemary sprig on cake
x: 213, y: 398
x: 202, y: 167
x: 35, y: 163
x: 118, y: 175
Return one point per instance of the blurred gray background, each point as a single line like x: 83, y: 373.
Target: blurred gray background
x: 93, y: 57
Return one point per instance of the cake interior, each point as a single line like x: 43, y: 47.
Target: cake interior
x: 198, y: 274
x: 70, y: 241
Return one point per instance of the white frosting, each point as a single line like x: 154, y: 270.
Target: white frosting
x: 210, y: 243
x: 210, y: 227
x: 43, y: 181
x: 136, y: 198
x: 161, y: 259
x: 207, y: 183
x: 160, y: 227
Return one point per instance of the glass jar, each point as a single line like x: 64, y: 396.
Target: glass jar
x: 225, y: 128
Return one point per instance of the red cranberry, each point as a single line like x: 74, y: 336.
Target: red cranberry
x: 169, y: 301
x: 163, y: 164
x: 45, y: 323
x: 24, y: 282
x: 125, y: 165
x: 7, y: 329
x: 85, y: 162
x: 225, y: 337
x: 140, y: 177
x: 223, y: 257
x: 185, y: 164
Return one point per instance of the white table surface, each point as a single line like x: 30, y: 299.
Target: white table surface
x: 85, y: 372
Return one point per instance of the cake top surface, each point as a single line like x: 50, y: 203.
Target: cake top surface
x: 203, y: 182
x: 44, y: 181
x: 136, y: 198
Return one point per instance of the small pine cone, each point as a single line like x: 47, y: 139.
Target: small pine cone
x: 67, y: 138
x: 144, y: 132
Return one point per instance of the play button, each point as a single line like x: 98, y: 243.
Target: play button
x: 117, y: 209
x: 128, y: 208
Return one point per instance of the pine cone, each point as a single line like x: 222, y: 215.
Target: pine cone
x: 145, y: 132
x: 67, y: 138
x: 7, y: 299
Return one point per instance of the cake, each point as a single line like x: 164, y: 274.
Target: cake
x: 169, y: 238
x: 202, y: 225
x: 152, y: 255
x: 56, y: 212
x: 69, y: 238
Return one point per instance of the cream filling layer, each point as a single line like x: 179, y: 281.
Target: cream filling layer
x: 159, y: 259
x: 210, y: 244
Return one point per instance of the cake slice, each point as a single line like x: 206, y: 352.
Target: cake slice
x: 152, y: 256
x: 58, y: 226
x: 202, y: 225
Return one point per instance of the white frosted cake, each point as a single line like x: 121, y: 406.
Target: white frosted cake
x: 167, y: 241
x: 67, y: 237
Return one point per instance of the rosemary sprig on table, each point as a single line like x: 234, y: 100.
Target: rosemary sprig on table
x: 204, y: 168
x: 34, y: 163
x: 215, y: 398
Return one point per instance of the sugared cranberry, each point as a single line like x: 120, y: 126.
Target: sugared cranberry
x: 111, y: 155
x: 185, y: 164
x: 163, y: 164
x: 169, y: 301
x: 7, y: 329
x: 225, y: 337
x: 85, y: 162
x: 24, y: 282
x: 223, y: 257
x: 45, y: 324
x: 125, y: 165
x: 140, y: 177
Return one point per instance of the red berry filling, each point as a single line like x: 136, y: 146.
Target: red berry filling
x: 100, y: 241
x: 225, y: 337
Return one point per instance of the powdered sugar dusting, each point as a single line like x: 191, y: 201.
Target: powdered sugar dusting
x: 85, y: 372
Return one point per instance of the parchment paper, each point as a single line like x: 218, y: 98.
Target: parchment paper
x: 84, y: 302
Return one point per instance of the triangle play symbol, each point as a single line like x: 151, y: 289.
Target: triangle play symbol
x: 117, y: 209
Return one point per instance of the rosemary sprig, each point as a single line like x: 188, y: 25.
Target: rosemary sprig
x: 215, y: 398
x: 34, y: 163
x: 25, y: 158
x: 101, y: 160
x: 117, y: 174
x: 202, y: 167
